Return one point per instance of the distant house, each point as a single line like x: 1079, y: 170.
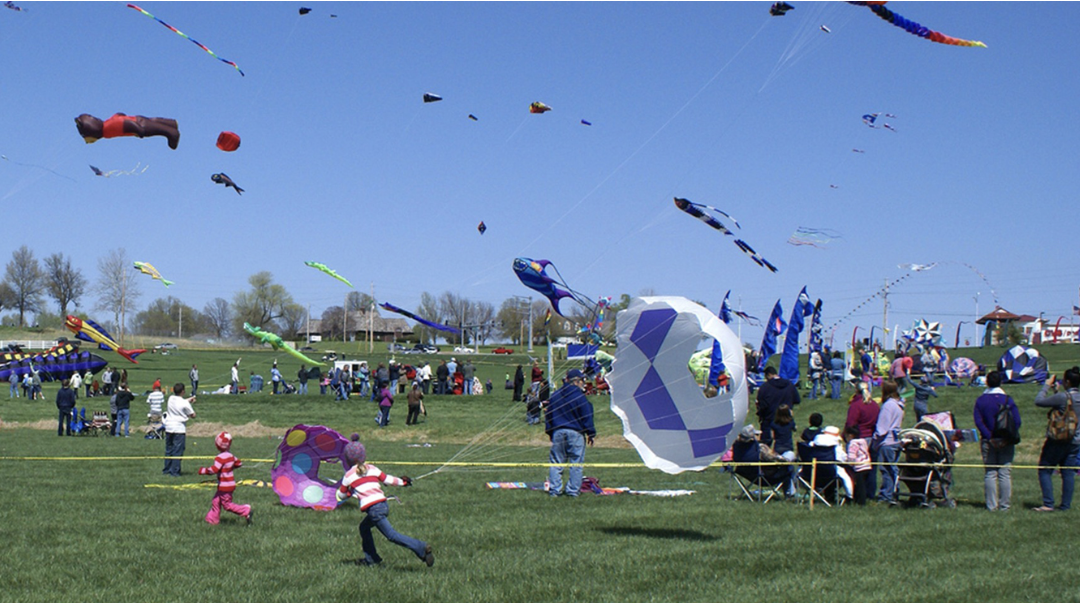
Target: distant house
x: 359, y: 322
x: 1036, y: 330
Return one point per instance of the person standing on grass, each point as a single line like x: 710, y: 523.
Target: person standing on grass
x: 424, y: 376
x: 836, y: 376
x: 193, y: 374
x: 176, y: 417
x: 774, y: 393
x: 223, y: 467
x: 364, y: 481
x: 394, y: 375
x: 1064, y: 454
x: 569, y: 423
x: 924, y: 390
x: 470, y: 372
x: 996, y: 455
x: 275, y: 378
x: 302, y: 377
x: 13, y: 379
x: 858, y: 455
x: 885, y: 443
x: 234, y: 377
x: 863, y: 414
x: 442, y: 376
x: 519, y: 383
x: 386, y: 400
x: 65, y: 403
x: 899, y: 371
x: 88, y: 381
x: 416, y: 400
x: 123, y: 409
x: 76, y: 383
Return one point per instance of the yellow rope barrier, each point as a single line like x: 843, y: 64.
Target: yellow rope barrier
x: 505, y: 464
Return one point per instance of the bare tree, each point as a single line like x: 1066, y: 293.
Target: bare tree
x: 429, y: 310
x: 330, y: 325
x: 261, y: 305
x: 26, y: 281
x: 359, y: 301
x: 219, y: 316
x: 292, y: 320
x: 66, y: 285
x: 117, y: 288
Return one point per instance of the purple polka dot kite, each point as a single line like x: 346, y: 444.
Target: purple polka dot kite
x: 295, y: 475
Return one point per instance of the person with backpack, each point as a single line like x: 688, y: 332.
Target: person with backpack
x: 998, y: 421
x: 1062, y: 446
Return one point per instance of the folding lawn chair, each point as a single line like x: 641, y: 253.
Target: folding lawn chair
x: 758, y: 483
x: 819, y: 474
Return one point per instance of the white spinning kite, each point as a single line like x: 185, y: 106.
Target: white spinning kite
x: 665, y: 412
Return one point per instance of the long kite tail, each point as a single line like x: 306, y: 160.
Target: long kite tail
x: 182, y: 34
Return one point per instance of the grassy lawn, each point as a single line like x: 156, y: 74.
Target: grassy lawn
x: 90, y: 530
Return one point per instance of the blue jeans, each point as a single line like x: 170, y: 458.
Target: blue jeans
x: 1058, y: 453
x: 65, y: 423
x: 174, y: 447
x: 384, y: 415
x: 393, y: 385
x: 888, y: 453
x: 364, y: 385
x: 837, y: 383
x: 14, y: 392
x: 817, y: 387
x: 376, y: 516
x: 194, y: 387
x: 567, y: 446
x: 123, y: 419
x: 342, y: 391
x: 235, y: 388
x: 302, y: 389
x: 922, y: 408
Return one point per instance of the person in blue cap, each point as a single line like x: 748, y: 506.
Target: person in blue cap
x: 569, y: 423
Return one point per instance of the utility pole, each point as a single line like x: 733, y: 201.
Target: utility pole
x: 345, y: 320
x: 885, y: 314
x: 308, y: 323
x: 977, y: 319
x: 123, y: 301
x: 530, y: 325
x: 180, y: 329
x: 371, y: 321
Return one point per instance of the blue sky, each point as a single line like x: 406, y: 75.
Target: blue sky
x: 716, y: 102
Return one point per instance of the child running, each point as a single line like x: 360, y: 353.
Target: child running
x: 364, y: 482
x: 223, y: 467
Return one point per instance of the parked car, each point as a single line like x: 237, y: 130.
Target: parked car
x: 166, y: 346
x: 502, y: 350
x: 307, y: 348
x: 465, y: 350
x: 428, y: 349
x: 395, y: 347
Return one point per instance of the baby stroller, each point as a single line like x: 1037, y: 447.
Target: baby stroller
x: 926, y: 446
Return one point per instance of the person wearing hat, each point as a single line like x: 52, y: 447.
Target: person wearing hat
x: 364, y: 481
x: 223, y: 467
x: 569, y: 423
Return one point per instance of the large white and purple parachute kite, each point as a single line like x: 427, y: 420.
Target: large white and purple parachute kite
x: 665, y: 412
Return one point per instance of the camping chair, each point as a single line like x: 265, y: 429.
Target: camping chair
x: 819, y: 475
x: 758, y: 483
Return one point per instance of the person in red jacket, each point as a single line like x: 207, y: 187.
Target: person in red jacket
x: 223, y: 467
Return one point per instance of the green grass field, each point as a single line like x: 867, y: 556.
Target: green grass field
x: 91, y: 530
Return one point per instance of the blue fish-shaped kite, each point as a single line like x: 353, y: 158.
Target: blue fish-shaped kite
x: 534, y: 275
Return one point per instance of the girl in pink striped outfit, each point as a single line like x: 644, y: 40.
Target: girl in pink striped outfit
x: 223, y: 467
x: 364, y: 482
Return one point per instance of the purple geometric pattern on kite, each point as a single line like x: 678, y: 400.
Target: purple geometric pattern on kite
x: 295, y: 475
x: 708, y: 442
x: 656, y: 404
x: 651, y: 330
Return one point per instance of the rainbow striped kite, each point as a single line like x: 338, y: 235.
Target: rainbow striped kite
x: 197, y: 43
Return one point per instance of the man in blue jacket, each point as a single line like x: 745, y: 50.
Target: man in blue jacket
x: 996, y: 455
x: 569, y: 422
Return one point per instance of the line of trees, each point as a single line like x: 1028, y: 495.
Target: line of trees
x: 28, y: 283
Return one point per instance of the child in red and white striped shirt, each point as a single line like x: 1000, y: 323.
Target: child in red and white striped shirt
x: 223, y: 467
x: 364, y: 482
